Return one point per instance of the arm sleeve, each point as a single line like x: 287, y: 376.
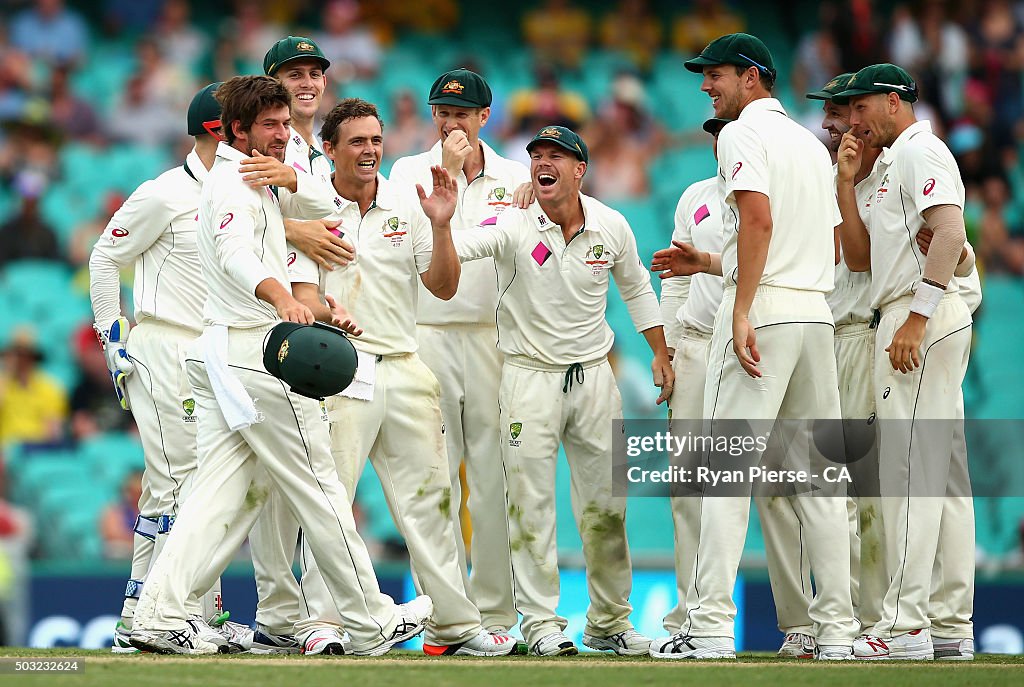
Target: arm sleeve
x: 301, y: 268
x: 494, y: 243
x: 947, y: 223
x: 135, y: 227
x: 634, y: 284
x: 422, y: 239
x: 313, y: 198
x: 742, y: 160
x: 675, y: 290
x: 234, y: 227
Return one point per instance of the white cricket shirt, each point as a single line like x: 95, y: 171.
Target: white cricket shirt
x: 393, y: 243
x: 553, y: 295
x: 155, y: 229
x: 766, y: 151
x: 850, y: 300
x: 241, y: 240
x: 481, y: 201
x: 916, y: 173
x: 698, y: 221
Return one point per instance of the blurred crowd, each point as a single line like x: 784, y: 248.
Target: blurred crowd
x: 967, y: 55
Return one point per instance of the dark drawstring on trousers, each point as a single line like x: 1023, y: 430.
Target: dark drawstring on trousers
x: 578, y: 369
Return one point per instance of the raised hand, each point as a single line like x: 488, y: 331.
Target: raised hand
x: 440, y: 205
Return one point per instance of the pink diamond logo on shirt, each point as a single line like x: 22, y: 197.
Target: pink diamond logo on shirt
x: 541, y: 253
x: 489, y: 222
x: 299, y: 167
x: 702, y: 214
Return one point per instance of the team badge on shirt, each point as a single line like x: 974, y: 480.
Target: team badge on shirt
x: 499, y: 198
x: 395, y: 229
x: 883, y: 188
x: 514, y: 430
x: 594, y: 261
x: 189, y: 406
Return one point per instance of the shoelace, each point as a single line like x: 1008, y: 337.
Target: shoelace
x: 569, y: 374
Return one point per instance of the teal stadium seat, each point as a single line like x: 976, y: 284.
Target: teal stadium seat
x: 112, y: 456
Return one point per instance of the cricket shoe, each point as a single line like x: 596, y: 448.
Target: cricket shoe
x: 268, y: 643
x: 909, y: 646
x: 325, y: 642
x: 208, y: 634
x: 122, y: 640
x: 797, y: 645
x: 953, y: 649
x: 829, y: 652
x: 681, y: 645
x: 554, y: 644
x: 239, y: 636
x: 412, y: 618
x: 483, y: 644
x: 182, y: 641
x: 628, y: 643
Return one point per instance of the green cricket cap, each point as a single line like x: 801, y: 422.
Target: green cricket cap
x: 293, y: 48
x: 879, y: 78
x: 834, y: 86
x: 567, y: 138
x: 314, y: 360
x: 462, y: 88
x: 740, y: 49
x: 204, y: 111
x: 715, y: 124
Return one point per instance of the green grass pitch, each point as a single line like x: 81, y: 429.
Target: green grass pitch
x: 407, y: 669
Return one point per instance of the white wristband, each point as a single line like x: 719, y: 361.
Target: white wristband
x: 926, y: 299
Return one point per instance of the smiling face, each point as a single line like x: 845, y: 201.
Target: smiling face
x: 872, y: 118
x: 356, y: 148
x: 268, y: 134
x: 836, y: 122
x: 305, y: 81
x: 556, y: 173
x: 449, y: 118
x: 725, y: 87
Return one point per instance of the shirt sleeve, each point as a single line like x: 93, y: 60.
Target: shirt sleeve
x: 234, y: 222
x: 742, y: 160
x: 422, y: 239
x: 313, y: 197
x: 675, y: 290
x: 930, y: 176
x: 634, y: 283
x: 133, y: 229
x: 301, y: 268
x: 496, y: 242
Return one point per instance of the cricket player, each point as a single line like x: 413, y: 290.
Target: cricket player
x: 772, y: 346
x: 458, y: 338
x: 923, y: 345
x: 554, y: 262
x: 255, y: 435
x: 688, y: 307
x: 155, y: 230
x: 392, y: 412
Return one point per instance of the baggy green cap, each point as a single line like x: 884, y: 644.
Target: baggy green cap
x: 567, y: 138
x: 293, y: 48
x: 314, y: 360
x: 834, y: 86
x: 740, y: 49
x: 462, y: 88
x: 879, y: 78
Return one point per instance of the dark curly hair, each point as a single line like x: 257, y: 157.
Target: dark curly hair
x: 349, y: 108
x: 243, y: 98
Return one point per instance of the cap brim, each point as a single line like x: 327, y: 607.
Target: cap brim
x: 698, y: 63
x: 843, y: 97
x: 273, y: 343
x: 324, y: 62
x: 562, y: 144
x: 453, y: 100
x: 714, y: 125
x: 820, y: 95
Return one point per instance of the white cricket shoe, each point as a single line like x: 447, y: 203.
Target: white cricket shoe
x: 208, y: 634
x: 483, y: 643
x: 324, y: 641
x: 182, y: 641
x: 681, y: 645
x: 952, y: 649
x: 267, y: 643
x: 554, y: 644
x: 628, y: 643
x: 828, y: 652
x: 239, y: 636
x: 412, y: 618
x: 909, y: 646
x: 797, y: 645
x: 122, y: 640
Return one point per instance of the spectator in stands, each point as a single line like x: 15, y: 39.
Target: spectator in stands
x: 26, y: 234
x: 117, y: 520
x: 559, y: 33
x: 130, y: 16
x: 531, y: 109
x: 409, y: 132
x: 179, y: 41
x: 817, y: 54
x: 997, y: 60
x: 350, y: 46
x: 33, y: 406
x: 165, y: 82
x: 50, y: 32
x: 623, y: 140
x: 634, y: 30
x: 142, y: 120
x: 69, y: 114
x: 422, y: 16
x: 15, y: 79
x: 1002, y: 242
x: 93, y: 408
x: 858, y: 36
x: 243, y: 39
x: 708, y: 20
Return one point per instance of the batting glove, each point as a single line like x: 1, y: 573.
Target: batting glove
x: 113, y: 340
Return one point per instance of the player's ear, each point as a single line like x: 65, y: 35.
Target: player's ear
x: 329, y: 149
x: 485, y: 114
x: 238, y: 131
x: 581, y: 169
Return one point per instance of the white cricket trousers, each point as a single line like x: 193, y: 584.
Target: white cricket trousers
x: 164, y: 411
x: 289, y: 449
x: 466, y: 361
x: 539, y: 411
x: 785, y: 545
x: 686, y: 409
x: 799, y: 381
x: 400, y: 431
x: 923, y: 469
